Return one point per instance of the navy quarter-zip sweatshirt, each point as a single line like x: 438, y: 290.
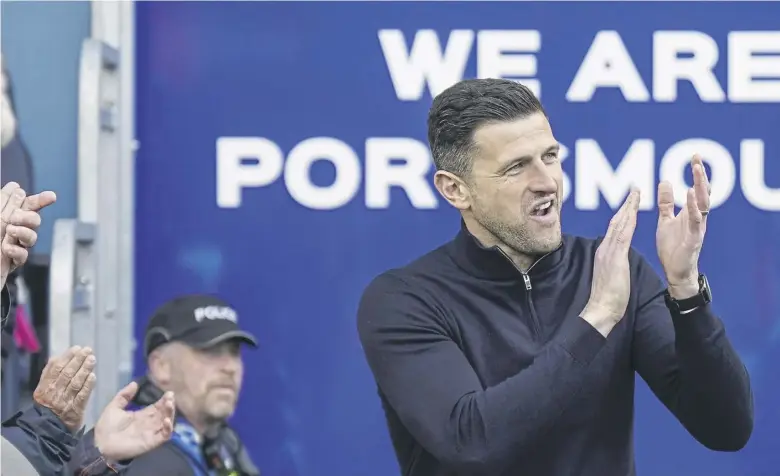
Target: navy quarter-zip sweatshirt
x: 484, y: 370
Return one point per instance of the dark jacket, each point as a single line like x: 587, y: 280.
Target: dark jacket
x: 485, y: 370
x: 42, y: 438
x: 9, y: 313
x: 166, y: 460
x: 51, y: 448
x: 87, y: 460
x: 47, y: 443
x: 5, y: 305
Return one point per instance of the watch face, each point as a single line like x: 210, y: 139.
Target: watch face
x: 705, y: 288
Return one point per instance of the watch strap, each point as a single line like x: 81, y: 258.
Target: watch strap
x: 702, y: 298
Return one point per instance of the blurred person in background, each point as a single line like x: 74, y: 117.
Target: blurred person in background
x: 7, y: 116
x: 192, y: 347
x: 15, y: 166
x: 45, y: 438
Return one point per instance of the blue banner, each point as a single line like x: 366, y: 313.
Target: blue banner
x: 283, y: 165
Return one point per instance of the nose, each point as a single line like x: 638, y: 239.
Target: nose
x: 230, y: 364
x: 225, y: 361
x: 542, y: 179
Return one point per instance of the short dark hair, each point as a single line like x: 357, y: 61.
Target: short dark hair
x: 461, y: 109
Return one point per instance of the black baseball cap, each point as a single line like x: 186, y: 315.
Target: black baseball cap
x: 200, y: 321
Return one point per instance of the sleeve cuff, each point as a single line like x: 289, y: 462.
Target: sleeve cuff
x: 54, y: 426
x: 92, y: 462
x: 701, y: 324
x: 5, y: 308
x: 581, y: 340
x: 100, y: 466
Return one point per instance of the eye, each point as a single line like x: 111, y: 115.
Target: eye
x: 550, y: 157
x: 515, y: 168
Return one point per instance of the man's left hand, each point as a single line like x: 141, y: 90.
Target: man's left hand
x: 66, y: 384
x: 121, y: 434
x: 679, y: 238
x: 19, y: 222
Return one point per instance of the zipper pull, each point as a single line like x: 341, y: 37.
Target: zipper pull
x: 527, y: 280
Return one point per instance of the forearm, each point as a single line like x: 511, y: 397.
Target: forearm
x: 488, y: 429
x: 713, y: 399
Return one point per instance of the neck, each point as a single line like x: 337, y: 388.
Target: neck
x: 487, y: 239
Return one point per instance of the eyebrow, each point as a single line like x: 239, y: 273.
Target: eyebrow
x: 550, y: 150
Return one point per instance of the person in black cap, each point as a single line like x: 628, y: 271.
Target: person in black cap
x: 192, y: 347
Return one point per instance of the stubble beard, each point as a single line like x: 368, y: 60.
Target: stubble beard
x: 521, y: 238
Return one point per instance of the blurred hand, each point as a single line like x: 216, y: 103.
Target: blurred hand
x: 19, y: 222
x: 66, y: 384
x: 121, y: 434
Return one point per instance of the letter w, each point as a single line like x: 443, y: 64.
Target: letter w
x: 425, y: 63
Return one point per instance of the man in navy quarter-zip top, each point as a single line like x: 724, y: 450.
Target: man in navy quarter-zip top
x: 511, y: 350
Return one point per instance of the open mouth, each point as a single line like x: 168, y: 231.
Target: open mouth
x: 542, y: 209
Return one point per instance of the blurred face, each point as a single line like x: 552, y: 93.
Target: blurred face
x: 513, y: 196
x: 205, y: 382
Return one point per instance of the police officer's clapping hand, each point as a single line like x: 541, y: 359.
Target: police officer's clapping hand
x: 121, y: 434
x: 19, y: 220
x: 66, y: 384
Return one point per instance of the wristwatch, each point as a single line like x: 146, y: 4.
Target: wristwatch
x: 703, y: 297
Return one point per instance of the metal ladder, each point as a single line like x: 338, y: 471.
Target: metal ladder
x: 91, y: 275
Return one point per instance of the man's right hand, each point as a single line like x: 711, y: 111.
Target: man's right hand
x: 11, y: 199
x: 66, y: 384
x: 121, y: 434
x: 611, y: 286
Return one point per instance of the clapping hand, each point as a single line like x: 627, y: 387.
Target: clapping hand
x: 66, y: 384
x: 19, y: 222
x: 611, y: 284
x: 121, y: 434
x: 679, y: 238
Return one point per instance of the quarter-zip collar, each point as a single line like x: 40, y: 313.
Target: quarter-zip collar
x: 492, y: 263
